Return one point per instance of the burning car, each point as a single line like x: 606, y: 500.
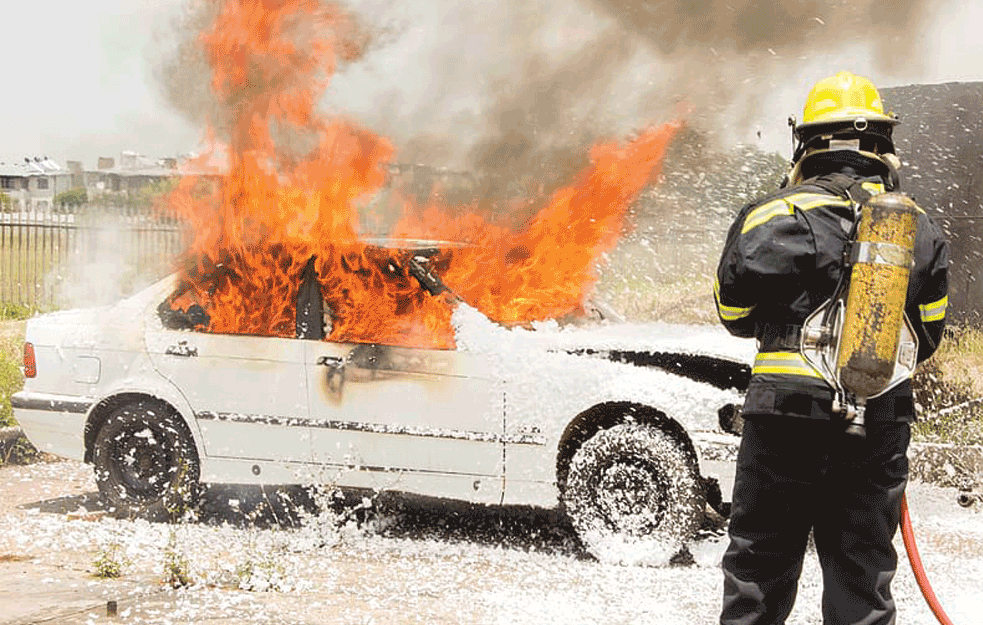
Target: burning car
x: 602, y: 419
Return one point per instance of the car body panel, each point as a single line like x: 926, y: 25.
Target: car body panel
x: 53, y: 423
x: 402, y: 408
x: 248, y: 393
x: 484, y: 422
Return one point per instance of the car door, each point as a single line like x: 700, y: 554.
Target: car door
x: 388, y: 409
x: 248, y: 393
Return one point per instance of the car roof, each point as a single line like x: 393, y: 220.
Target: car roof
x: 412, y: 244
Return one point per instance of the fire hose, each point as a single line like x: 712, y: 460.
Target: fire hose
x: 908, y: 536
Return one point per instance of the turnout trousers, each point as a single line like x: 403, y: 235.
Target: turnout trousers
x: 796, y: 475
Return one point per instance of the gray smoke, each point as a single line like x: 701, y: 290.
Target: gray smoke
x: 517, y: 91
x: 790, y: 27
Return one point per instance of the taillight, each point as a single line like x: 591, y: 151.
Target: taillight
x: 30, y: 364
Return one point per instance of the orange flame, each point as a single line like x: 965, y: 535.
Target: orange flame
x: 253, y: 232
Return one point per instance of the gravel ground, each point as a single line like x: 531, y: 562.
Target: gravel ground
x: 249, y: 559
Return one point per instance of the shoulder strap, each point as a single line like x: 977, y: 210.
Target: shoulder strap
x: 844, y: 186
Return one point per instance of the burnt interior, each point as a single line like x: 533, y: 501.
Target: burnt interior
x: 313, y: 316
x: 313, y: 313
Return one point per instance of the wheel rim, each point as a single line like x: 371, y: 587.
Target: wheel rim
x: 141, y: 464
x: 632, y: 495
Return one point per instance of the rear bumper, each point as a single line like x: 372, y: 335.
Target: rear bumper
x: 54, y: 424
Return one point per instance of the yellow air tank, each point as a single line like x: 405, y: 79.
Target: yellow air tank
x: 874, y: 311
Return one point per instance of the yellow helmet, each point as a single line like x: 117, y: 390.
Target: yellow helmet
x: 844, y: 97
x: 844, y: 112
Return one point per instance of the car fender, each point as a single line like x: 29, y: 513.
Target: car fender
x: 593, y: 395
x: 692, y: 403
x: 149, y: 386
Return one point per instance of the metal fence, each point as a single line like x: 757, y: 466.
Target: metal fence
x: 97, y: 254
x: 91, y: 255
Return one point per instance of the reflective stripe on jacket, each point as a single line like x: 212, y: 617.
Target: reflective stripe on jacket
x: 782, y: 260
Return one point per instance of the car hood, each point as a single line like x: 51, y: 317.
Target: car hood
x: 475, y: 333
x: 655, y: 337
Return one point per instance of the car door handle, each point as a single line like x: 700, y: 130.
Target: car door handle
x: 181, y: 349
x: 336, y: 373
x: 332, y: 362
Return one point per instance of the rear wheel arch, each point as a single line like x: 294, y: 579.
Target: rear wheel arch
x: 607, y: 415
x: 108, y: 405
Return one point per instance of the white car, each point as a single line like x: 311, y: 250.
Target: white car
x: 603, y: 420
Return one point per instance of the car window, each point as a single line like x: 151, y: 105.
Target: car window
x: 318, y: 300
x: 181, y: 312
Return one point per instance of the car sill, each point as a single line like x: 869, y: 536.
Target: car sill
x: 377, y: 428
x: 50, y: 403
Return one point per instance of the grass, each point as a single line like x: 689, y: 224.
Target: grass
x: 948, y: 387
x: 29, y: 257
x: 15, y: 312
x: 11, y: 379
x: 677, y: 292
x: 949, y: 390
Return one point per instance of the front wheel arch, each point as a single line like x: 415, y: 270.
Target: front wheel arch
x: 606, y: 416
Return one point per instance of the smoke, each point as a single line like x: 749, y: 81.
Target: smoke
x: 516, y: 92
x: 110, y: 256
x: 182, y: 71
x: 729, y: 58
x: 790, y: 28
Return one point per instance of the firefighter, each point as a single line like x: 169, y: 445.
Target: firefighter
x: 799, y: 471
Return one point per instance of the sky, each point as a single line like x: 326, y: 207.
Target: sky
x: 80, y: 79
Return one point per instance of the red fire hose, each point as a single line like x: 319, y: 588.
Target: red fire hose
x: 916, y: 565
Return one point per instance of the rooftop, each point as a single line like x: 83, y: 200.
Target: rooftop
x: 31, y: 166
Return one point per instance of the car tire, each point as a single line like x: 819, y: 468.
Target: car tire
x: 146, y: 464
x: 633, y: 495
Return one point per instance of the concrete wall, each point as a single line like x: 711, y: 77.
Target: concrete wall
x: 940, y: 142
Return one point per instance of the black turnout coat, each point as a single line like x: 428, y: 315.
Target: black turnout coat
x: 782, y: 259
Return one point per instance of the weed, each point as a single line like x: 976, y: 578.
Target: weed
x: 20, y: 452
x: 10, y: 311
x: 110, y: 561
x: 177, y: 571
x: 261, y: 573
x: 11, y: 379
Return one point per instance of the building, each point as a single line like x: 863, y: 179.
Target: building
x: 32, y: 184
x: 133, y: 173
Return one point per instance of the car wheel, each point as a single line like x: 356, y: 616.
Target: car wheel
x: 146, y: 465
x: 633, y: 495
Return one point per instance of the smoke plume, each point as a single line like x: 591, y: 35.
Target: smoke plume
x: 515, y: 92
x: 791, y: 27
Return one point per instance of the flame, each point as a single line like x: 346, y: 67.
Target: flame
x: 254, y: 227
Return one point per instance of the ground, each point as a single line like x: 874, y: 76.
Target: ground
x: 405, y: 564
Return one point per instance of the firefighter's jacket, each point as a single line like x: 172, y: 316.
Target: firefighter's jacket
x: 783, y: 259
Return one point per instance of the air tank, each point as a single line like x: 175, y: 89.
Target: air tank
x: 882, y: 258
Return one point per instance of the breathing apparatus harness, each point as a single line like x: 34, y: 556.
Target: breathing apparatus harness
x: 860, y: 340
